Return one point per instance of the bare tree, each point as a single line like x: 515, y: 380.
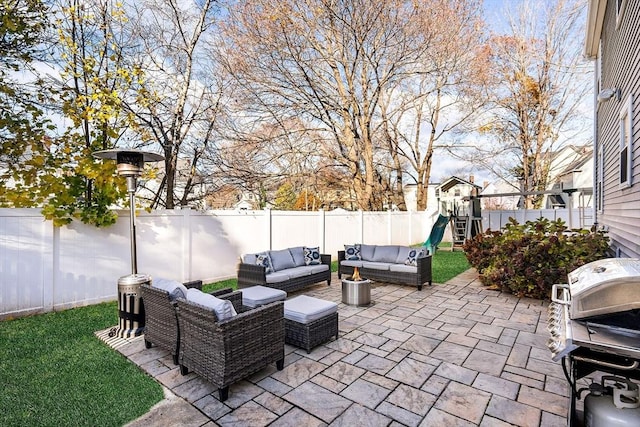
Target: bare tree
x: 180, y: 98
x: 447, y: 91
x: 540, y: 80
x: 329, y: 64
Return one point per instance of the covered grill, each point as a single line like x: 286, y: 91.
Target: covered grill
x: 594, y: 323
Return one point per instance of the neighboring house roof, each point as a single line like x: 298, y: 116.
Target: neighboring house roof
x: 577, y: 164
x: 453, y: 181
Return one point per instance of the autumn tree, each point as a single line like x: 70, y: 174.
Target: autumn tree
x: 329, y: 64
x: 22, y: 125
x: 540, y: 79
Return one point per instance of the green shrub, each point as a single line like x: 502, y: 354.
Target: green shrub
x: 528, y: 259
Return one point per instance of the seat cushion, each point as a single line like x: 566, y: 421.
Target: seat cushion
x: 376, y: 265
x: 299, y: 271
x: 221, y: 307
x: 403, y: 268
x: 352, y: 263
x: 278, y: 276
x: 318, y: 268
x: 254, y: 296
x: 305, y: 309
x: 173, y: 288
x: 281, y: 260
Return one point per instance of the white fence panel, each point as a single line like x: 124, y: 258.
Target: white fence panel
x: 25, y: 262
x: 44, y: 268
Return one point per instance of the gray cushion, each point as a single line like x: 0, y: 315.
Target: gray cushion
x: 299, y: 271
x: 352, y: 263
x: 221, y: 307
x: 173, y: 288
x: 305, y: 309
x: 297, y: 254
x: 281, y: 260
x: 385, y: 253
x: 319, y: 268
x: 376, y: 265
x: 278, y: 276
x: 403, y: 268
x: 366, y: 252
x: 254, y: 296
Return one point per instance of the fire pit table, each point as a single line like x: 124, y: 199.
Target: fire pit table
x: 356, y: 290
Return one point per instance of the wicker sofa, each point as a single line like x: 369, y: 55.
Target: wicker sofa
x: 224, y: 352
x: 161, y: 321
x: 286, y: 269
x: 386, y: 263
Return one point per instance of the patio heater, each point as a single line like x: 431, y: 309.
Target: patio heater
x: 130, y: 306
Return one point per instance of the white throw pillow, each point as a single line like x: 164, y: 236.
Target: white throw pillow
x: 223, y: 308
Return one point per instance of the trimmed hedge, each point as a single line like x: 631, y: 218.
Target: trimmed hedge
x: 528, y: 259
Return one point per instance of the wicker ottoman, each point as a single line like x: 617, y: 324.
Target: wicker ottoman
x: 255, y: 296
x: 309, y: 321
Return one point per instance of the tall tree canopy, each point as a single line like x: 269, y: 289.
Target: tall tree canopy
x: 340, y: 68
x: 540, y: 80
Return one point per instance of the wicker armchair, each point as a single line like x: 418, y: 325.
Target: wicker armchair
x: 224, y: 352
x: 161, y: 321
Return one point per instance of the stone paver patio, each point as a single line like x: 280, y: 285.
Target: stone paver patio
x: 453, y: 354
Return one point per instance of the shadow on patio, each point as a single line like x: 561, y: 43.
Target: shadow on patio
x: 453, y: 354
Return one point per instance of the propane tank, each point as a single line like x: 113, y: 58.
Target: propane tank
x: 614, y: 405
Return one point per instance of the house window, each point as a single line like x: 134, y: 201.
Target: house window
x: 456, y: 192
x: 626, y: 143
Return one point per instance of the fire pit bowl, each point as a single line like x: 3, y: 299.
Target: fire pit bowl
x: 356, y: 290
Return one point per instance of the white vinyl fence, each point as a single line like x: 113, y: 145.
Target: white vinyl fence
x: 45, y: 268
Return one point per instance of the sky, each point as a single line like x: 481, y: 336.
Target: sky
x: 495, y: 15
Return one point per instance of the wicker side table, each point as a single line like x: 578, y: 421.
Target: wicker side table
x: 309, y: 321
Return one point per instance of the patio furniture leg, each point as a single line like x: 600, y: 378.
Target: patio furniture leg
x: 280, y: 364
x: 224, y: 393
x: 147, y: 344
x: 184, y: 370
x: 175, y: 359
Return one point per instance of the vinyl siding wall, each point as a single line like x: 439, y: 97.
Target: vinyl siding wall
x: 620, y: 62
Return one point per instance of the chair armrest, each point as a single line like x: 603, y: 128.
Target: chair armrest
x: 250, y: 274
x: 260, y: 316
x: 424, y: 267
x: 341, y: 256
x: 325, y: 259
x: 223, y: 291
x: 235, y: 298
x: 193, y: 284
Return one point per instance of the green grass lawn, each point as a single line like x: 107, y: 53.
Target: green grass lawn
x: 55, y: 372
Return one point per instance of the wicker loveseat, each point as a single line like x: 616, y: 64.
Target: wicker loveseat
x: 386, y: 263
x: 224, y: 352
x: 161, y: 321
x: 288, y: 269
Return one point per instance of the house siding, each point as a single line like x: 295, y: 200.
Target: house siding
x: 620, y: 62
